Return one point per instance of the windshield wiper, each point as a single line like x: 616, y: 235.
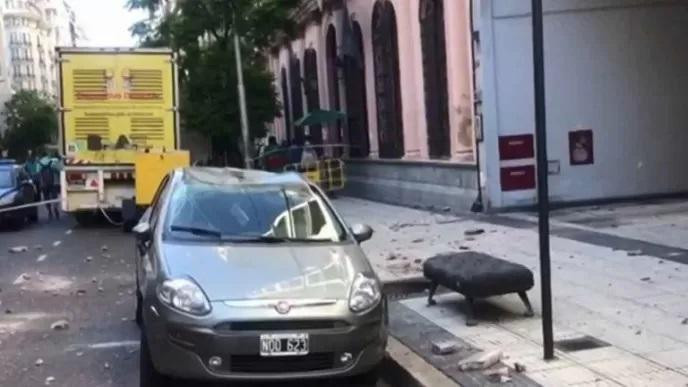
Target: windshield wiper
x: 258, y: 239
x: 197, y: 230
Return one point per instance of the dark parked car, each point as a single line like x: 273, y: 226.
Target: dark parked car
x: 16, y: 189
x: 252, y: 276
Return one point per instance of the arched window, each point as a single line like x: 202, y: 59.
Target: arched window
x: 296, y: 99
x: 431, y: 15
x: 354, y: 64
x: 390, y: 126
x: 287, y: 104
x: 335, y: 136
x: 310, y: 75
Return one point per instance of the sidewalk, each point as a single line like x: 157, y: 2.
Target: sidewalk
x: 618, y: 276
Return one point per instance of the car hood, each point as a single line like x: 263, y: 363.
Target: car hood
x: 242, y: 272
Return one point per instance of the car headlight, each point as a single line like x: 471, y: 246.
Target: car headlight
x: 365, y: 293
x: 184, y: 295
x: 8, y: 199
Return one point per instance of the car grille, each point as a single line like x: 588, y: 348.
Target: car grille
x: 259, y: 364
x: 276, y: 325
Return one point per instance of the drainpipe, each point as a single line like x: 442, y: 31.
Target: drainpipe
x: 478, y: 205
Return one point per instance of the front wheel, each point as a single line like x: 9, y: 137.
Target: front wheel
x: 368, y: 379
x: 33, y: 215
x: 149, y: 376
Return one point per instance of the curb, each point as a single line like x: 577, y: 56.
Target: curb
x: 403, y: 367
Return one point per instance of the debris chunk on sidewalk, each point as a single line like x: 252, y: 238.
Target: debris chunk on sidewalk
x: 474, y: 232
x: 39, y: 362
x: 104, y: 248
x: 49, y: 380
x: 499, y: 375
x: 634, y: 253
x: 444, y: 347
x: 18, y: 249
x: 520, y: 368
x: 646, y: 279
x: 60, y: 325
x: 480, y: 361
x: 685, y: 321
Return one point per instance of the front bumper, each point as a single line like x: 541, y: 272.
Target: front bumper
x: 181, y: 346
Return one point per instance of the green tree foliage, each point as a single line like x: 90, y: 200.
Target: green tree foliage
x: 201, y: 32
x: 31, y: 120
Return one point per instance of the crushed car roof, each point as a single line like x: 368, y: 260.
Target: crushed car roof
x: 236, y: 176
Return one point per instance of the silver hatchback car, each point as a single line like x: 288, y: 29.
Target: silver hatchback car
x: 253, y: 276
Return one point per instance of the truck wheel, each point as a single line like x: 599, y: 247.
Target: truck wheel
x: 149, y: 376
x: 83, y: 218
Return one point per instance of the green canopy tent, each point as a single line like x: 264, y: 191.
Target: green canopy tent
x: 320, y: 117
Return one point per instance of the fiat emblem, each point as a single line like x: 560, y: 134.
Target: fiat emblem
x: 283, y: 307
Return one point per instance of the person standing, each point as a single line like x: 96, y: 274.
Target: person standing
x: 50, y: 184
x: 32, y: 169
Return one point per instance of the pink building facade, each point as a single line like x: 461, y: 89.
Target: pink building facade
x: 402, y: 72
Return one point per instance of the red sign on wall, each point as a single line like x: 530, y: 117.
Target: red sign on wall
x: 518, y: 178
x: 516, y: 147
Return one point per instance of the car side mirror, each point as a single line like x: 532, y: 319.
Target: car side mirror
x: 361, y: 232
x: 143, y: 232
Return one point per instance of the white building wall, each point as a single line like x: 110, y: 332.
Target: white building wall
x: 613, y: 66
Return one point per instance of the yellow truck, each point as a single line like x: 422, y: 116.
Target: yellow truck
x: 119, y: 129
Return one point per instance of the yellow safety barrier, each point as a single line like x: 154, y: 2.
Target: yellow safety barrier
x: 328, y: 174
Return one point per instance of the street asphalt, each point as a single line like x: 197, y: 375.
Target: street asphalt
x: 84, y: 276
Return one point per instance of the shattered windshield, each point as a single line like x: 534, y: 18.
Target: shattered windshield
x: 251, y: 213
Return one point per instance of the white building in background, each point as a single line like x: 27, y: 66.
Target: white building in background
x: 29, y: 31
x: 32, y: 30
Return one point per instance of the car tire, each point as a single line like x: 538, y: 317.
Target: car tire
x: 139, y: 309
x: 148, y: 375
x: 368, y: 379
x: 33, y: 215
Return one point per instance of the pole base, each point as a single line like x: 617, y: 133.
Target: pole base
x: 477, y: 206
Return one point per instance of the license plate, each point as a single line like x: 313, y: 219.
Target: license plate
x: 284, y: 344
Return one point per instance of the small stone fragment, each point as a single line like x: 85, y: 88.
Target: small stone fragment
x: 520, y: 368
x: 104, y: 248
x: 79, y: 354
x: 80, y: 292
x: 38, y: 247
x: 634, y: 253
x: 685, y: 321
x: 645, y: 279
x: 638, y: 332
x: 18, y: 249
x: 39, y: 362
x: 49, y: 380
x: 444, y: 347
x: 417, y: 260
x: 94, y: 280
x: 474, y: 232
x: 89, y: 258
x: 106, y: 365
x: 391, y: 257
x: 419, y: 240
x: 60, y: 325
x: 464, y: 248
x: 100, y: 289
